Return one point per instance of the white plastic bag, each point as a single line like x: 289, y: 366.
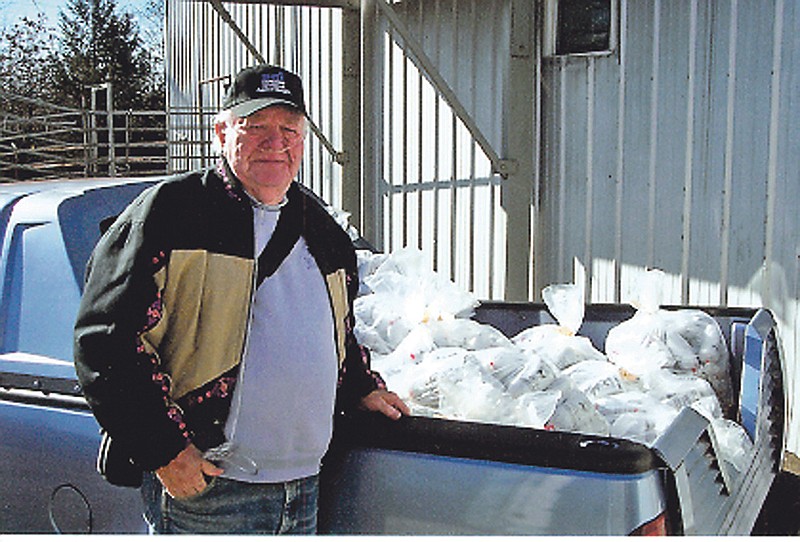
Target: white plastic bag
x: 677, y: 389
x: 595, y: 378
x: 638, y: 345
x: 641, y: 427
x: 429, y: 295
x: 556, y: 345
x: 445, y: 385
x: 709, y: 407
x: 575, y: 412
x: 471, y: 396
x: 735, y: 445
x: 703, y: 338
x: 636, y: 415
x: 368, y: 263
x: 534, y: 409
x: 381, y: 321
x: 424, y: 379
x: 565, y: 302
x: 399, y: 367
x: 687, y: 341
x: 399, y: 293
x: 518, y: 371
x: 469, y: 334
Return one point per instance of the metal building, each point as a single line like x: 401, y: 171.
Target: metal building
x: 521, y: 143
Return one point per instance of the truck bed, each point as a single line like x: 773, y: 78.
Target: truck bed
x: 436, y: 476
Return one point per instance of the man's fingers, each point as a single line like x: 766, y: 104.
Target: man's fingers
x: 389, y: 410
x: 210, y: 469
x: 386, y: 402
x: 394, y: 406
x: 399, y: 404
x: 185, y: 475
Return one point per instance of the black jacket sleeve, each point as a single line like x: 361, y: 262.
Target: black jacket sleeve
x: 120, y: 379
x: 357, y: 379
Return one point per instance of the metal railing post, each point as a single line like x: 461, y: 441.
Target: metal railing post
x: 112, y: 159
x: 352, y: 185
x: 93, y: 154
x: 371, y: 124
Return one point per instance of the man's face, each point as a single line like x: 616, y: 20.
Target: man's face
x: 264, y: 150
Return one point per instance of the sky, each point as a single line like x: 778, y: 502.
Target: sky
x: 12, y: 10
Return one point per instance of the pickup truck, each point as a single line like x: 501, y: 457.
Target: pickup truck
x: 418, y: 476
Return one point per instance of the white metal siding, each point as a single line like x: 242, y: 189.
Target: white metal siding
x: 679, y: 151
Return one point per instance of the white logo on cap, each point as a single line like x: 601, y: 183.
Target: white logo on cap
x: 273, y: 82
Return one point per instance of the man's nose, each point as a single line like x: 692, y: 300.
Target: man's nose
x: 273, y: 139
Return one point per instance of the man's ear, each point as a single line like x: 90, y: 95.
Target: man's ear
x: 219, y: 129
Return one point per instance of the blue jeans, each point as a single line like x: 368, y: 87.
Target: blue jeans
x: 228, y: 506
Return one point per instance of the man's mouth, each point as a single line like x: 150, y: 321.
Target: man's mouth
x: 271, y: 159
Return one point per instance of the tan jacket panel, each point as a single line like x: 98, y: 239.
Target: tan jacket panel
x: 202, y: 299
x: 337, y: 290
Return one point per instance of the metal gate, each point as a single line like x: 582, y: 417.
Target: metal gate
x: 40, y: 140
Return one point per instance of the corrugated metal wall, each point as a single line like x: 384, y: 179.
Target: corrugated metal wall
x: 680, y: 151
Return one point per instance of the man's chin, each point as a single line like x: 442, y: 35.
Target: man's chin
x: 271, y: 188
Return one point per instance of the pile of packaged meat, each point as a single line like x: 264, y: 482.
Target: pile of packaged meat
x: 416, y: 324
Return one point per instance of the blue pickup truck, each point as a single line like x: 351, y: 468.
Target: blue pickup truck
x: 419, y: 476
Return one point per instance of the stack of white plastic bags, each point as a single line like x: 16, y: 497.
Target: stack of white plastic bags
x: 416, y: 323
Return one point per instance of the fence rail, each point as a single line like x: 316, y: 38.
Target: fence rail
x: 45, y: 141
x: 83, y: 144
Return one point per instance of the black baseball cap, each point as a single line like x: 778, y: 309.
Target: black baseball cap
x: 261, y: 86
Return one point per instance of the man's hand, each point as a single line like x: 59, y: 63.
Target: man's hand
x: 184, y: 477
x: 386, y: 402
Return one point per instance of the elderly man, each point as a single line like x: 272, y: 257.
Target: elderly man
x: 215, y: 334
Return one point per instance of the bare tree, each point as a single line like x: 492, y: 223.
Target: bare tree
x: 27, y: 55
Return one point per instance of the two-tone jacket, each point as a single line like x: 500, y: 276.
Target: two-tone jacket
x: 163, y: 321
